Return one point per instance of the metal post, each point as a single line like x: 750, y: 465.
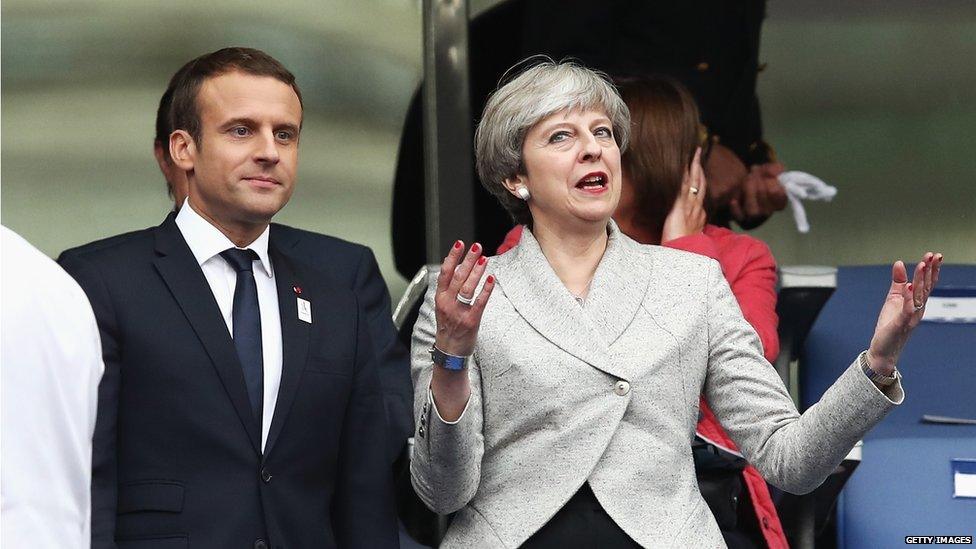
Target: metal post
x: 449, y: 185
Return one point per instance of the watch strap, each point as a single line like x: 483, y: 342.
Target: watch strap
x: 881, y: 380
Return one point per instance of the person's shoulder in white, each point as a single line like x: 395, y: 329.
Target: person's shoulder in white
x: 51, y: 367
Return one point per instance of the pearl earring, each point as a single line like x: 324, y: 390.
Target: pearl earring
x: 523, y: 193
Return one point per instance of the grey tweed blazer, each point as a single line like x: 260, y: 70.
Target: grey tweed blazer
x: 607, y: 393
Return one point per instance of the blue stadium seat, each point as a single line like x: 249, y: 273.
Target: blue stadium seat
x: 903, y: 486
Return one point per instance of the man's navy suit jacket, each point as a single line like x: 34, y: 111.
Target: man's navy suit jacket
x: 353, y: 266
x: 177, y: 457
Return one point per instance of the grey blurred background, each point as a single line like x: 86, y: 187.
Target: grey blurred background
x: 877, y: 98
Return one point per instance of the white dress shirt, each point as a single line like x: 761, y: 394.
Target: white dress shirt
x: 206, y: 242
x: 51, y: 364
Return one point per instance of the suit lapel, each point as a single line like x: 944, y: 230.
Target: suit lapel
x: 187, y: 283
x: 294, y: 338
x: 530, y: 284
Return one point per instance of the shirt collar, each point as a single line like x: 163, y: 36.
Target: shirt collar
x: 206, y: 241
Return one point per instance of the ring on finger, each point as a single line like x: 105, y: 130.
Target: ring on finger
x: 465, y: 300
x: 694, y: 190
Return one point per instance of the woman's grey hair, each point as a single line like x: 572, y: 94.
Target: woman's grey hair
x: 538, y: 92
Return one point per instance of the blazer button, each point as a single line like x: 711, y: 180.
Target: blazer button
x: 266, y: 477
x: 260, y: 544
x: 621, y: 387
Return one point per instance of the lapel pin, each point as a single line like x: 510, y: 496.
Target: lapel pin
x: 304, y: 310
x: 297, y: 289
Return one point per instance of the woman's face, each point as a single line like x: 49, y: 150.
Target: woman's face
x: 572, y: 166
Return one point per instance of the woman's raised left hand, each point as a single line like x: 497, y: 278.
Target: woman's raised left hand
x: 902, y: 311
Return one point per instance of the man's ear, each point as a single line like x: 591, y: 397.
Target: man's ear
x: 182, y: 149
x: 513, y: 183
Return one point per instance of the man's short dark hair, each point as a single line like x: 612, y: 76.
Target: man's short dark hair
x: 178, y: 109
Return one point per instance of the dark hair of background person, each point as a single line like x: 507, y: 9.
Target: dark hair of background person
x: 184, y: 113
x: 665, y: 131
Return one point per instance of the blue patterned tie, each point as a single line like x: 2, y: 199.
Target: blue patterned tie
x: 247, y: 326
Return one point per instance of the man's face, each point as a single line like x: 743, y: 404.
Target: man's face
x: 242, y: 171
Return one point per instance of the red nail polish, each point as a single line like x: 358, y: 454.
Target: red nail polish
x: 490, y: 280
x: 457, y: 244
x: 909, y: 287
x: 481, y: 260
x: 475, y: 248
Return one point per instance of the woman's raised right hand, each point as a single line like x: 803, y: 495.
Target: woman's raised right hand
x: 688, y: 216
x: 458, y: 322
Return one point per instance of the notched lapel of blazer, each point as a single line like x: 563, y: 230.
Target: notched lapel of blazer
x: 294, y: 339
x: 532, y: 287
x: 187, y: 283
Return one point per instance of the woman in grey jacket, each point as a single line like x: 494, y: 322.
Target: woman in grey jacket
x: 557, y: 384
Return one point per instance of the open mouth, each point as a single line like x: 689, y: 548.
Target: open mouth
x: 593, y: 182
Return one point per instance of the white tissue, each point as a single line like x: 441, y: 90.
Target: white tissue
x: 803, y: 186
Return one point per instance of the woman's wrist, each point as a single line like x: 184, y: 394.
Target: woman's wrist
x: 451, y: 391
x: 445, y: 345
x: 882, y: 365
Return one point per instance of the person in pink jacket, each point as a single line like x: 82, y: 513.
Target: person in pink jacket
x: 664, y: 201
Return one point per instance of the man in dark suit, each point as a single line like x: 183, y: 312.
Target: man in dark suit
x: 352, y: 266
x: 241, y: 405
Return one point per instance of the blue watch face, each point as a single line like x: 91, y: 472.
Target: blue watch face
x: 454, y: 363
x: 446, y: 361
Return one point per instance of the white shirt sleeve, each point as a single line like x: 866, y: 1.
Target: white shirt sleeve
x: 51, y: 365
